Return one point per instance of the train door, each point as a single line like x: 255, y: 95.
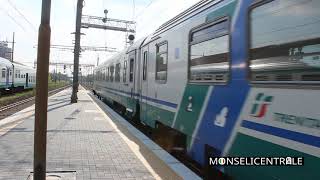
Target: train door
x: 27, y: 80
x: 144, y: 84
x: 131, y: 104
x: 7, y: 77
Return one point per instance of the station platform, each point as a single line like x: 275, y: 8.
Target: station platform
x: 84, y: 139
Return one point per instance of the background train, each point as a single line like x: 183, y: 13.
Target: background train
x: 227, y: 78
x: 15, y: 76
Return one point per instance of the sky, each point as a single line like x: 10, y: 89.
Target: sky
x: 23, y: 18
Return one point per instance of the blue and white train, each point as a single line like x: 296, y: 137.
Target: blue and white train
x: 236, y: 78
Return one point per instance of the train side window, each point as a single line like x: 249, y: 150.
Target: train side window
x: 131, y: 70
x: 162, y: 62
x: 117, y: 74
x: 285, y: 48
x: 209, y: 53
x: 16, y: 74
x: 111, y: 73
x: 145, y: 62
x: 3, y: 73
x: 124, y: 72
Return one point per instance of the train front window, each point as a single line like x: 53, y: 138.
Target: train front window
x: 285, y: 42
x: 209, y: 53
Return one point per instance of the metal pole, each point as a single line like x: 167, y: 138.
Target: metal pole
x: 13, y: 69
x: 41, y: 105
x: 12, y: 47
x: 74, y: 97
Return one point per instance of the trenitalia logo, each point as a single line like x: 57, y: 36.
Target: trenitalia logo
x: 259, y: 109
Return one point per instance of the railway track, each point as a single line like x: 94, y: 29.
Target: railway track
x: 12, y: 108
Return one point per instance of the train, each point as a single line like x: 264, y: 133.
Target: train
x: 16, y: 77
x: 227, y: 78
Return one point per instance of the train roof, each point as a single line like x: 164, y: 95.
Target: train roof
x: 183, y: 16
x: 137, y: 44
x: 111, y: 59
x: 17, y: 64
x: 5, y: 62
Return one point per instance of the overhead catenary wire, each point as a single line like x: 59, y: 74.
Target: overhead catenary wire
x: 21, y: 14
x: 133, y: 9
x: 13, y: 19
x: 143, y: 10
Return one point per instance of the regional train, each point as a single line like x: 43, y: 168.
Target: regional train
x: 227, y: 78
x: 15, y: 76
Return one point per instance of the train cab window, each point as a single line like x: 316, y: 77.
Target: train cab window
x: 124, y: 72
x: 131, y: 70
x: 144, y: 68
x: 111, y: 73
x: 285, y: 42
x: 3, y: 73
x: 209, y: 53
x: 117, y: 74
x: 162, y: 62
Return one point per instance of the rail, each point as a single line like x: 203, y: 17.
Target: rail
x: 10, y: 106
